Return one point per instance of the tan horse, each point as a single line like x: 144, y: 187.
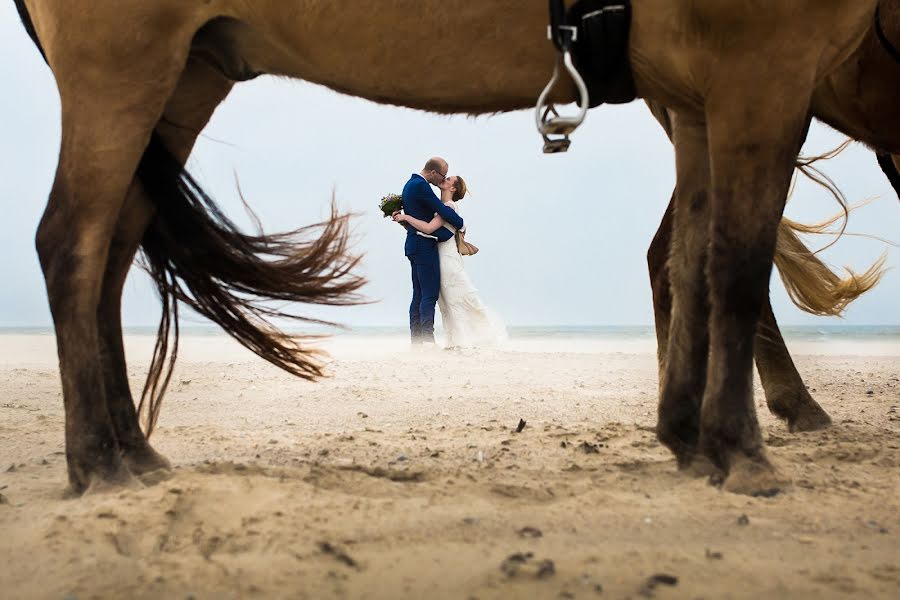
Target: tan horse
x: 139, y: 79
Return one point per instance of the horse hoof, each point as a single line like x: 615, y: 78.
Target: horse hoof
x: 800, y: 410
x: 755, y: 477
x: 144, y: 460
x: 700, y: 467
x: 810, y: 418
x: 115, y: 481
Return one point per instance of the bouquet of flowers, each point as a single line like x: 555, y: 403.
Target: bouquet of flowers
x: 390, y: 204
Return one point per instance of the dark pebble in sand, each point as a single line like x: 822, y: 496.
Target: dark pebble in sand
x: 546, y: 568
x: 530, y: 532
x: 510, y: 565
x: 743, y: 520
x: 520, y: 564
x: 652, y: 582
x: 588, y: 448
x: 3, y: 499
x: 338, y: 553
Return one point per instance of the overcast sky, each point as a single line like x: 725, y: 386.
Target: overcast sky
x: 563, y: 238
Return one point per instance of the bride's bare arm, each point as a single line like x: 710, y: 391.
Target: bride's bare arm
x: 430, y: 227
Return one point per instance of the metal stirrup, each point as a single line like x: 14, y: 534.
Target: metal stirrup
x: 547, y: 118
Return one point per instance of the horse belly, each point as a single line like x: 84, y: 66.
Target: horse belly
x: 477, y: 59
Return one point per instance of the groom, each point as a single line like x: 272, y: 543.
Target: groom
x: 421, y: 249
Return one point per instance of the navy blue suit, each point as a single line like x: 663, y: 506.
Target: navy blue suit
x: 421, y: 250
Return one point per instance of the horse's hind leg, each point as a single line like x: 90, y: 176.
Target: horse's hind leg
x: 891, y: 167
x: 108, y: 113
x: 200, y: 89
x: 139, y: 457
x: 658, y: 265
x: 786, y: 395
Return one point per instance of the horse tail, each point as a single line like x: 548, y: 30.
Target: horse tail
x: 812, y: 286
x: 29, y: 26
x: 197, y: 256
x: 889, y: 167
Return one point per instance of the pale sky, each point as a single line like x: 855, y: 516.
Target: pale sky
x: 563, y: 238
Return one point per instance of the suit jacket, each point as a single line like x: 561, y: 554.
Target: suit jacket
x: 420, y: 202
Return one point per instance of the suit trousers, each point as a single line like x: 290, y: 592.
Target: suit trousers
x: 426, y: 280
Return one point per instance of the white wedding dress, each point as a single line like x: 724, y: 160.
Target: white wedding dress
x: 467, y: 321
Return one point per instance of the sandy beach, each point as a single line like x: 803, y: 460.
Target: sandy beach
x: 402, y: 476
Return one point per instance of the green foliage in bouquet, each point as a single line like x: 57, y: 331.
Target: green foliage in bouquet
x: 390, y: 204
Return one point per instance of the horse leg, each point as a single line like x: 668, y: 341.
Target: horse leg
x: 199, y: 91
x: 139, y: 457
x: 658, y: 264
x: 786, y: 395
x: 107, y: 117
x: 683, y: 373
x: 890, y: 164
x: 753, y: 145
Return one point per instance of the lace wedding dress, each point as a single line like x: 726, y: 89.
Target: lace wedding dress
x: 467, y: 321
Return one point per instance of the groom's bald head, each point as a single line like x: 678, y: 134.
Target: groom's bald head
x: 435, y: 170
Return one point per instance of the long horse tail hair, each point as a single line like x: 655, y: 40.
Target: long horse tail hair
x: 197, y: 255
x: 811, y: 284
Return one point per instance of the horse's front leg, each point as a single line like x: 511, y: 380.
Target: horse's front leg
x: 683, y: 363
x: 108, y: 113
x: 755, y: 122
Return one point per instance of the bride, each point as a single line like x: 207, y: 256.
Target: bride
x: 467, y: 321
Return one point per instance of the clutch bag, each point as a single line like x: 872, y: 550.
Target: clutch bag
x: 465, y: 248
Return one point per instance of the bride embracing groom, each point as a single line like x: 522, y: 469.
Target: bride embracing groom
x: 438, y: 275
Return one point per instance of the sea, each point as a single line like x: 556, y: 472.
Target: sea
x: 850, y: 340
x: 800, y: 333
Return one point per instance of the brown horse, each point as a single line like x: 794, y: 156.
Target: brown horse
x: 861, y: 97
x: 139, y: 79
